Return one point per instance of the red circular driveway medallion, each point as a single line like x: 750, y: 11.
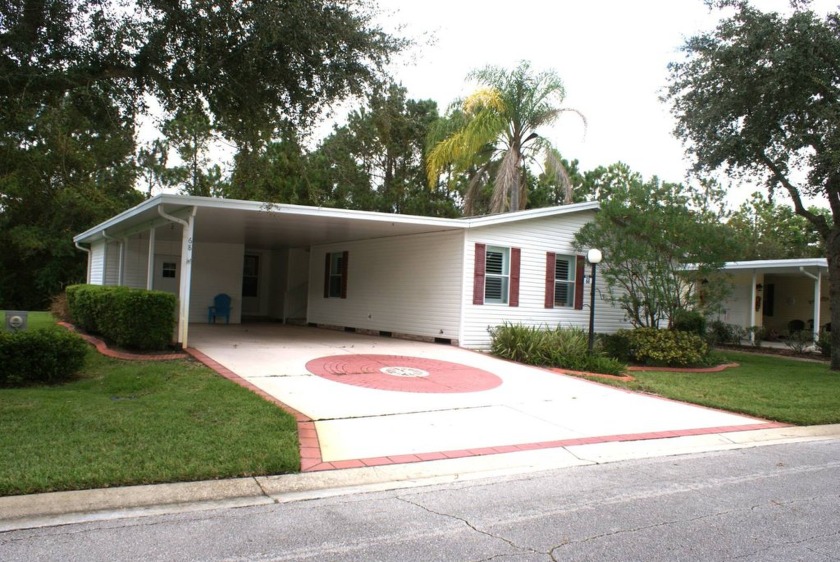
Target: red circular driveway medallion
x: 402, y: 373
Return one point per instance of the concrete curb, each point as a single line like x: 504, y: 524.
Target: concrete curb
x: 61, y: 508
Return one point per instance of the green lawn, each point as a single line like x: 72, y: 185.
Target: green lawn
x: 770, y: 387
x: 124, y: 423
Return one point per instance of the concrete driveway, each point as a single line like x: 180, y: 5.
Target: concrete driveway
x: 367, y: 401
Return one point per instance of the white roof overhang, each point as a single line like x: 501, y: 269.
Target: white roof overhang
x: 267, y: 225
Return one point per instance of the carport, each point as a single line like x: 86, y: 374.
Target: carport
x: 367, y: 401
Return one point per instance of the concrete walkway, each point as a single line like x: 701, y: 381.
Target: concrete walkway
x: 372, y: 401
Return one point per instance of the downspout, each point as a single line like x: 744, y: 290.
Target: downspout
x: 752, y: 306
x: 817, y: 290
x: 186, y: 272
x: 88, y: 252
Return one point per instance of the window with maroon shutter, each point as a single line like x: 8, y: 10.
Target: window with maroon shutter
x: 515, y: 259
x: 496, y: 275
x: 478, y: 273
x: 335, y: 275
x: 565, y: 280
x: 581, y: 264
x: 550, y: 258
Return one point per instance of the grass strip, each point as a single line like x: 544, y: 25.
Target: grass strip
x: 769, y: 387
x: 139, y: 422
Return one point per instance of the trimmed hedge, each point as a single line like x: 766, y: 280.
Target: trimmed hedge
x: 130, y: 318
x: 566, y: 348
x: 658, y: 348
x: 42, y: 355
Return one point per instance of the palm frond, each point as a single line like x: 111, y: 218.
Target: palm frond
x: 507, y: 179
x: 555, y: 169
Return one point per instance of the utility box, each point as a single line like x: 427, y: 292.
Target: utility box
x: 16, y: 320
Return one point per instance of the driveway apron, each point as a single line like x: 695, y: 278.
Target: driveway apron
x: 377, y: 400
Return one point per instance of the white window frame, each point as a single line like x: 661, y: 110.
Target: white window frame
x: 569, y: 283
x: 503, y: 277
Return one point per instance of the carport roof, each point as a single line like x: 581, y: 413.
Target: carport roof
x: 270, y: 225
x: 777, y: 266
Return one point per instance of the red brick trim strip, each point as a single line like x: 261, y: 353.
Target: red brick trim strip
x: 455, y: 454
x: 103, y: 348
x: 310, y: 446
x: 715, y: 369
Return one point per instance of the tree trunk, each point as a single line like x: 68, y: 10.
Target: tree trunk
x: 832, y: 252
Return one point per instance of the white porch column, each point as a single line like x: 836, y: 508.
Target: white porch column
x: 186, y: 278
x: 752, y: 305
x: 817, y: 293
x: 186, y: 272
x: 150, y: 265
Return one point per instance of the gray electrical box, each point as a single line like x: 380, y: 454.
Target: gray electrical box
x: 16, y: 320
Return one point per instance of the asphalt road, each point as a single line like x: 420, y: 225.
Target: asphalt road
x: 777, y: 502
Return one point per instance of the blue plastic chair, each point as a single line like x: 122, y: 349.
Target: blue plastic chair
x: 220, y: 307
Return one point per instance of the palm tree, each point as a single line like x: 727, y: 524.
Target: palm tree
x: 495, y: 137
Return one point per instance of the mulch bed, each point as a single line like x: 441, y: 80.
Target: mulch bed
x: 103, y: 348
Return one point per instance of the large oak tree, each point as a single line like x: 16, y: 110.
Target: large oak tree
x: 760, y: 97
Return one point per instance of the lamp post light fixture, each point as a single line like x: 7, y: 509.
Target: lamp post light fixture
x: 594, y: 257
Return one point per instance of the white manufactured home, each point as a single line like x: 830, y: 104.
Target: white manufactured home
x: 439, y: 279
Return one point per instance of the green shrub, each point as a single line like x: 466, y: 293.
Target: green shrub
x: 722, y: 333
x: 824, y: 343
x: 690, y: 321
x: 800, y: 341
x: 42, y: 355
x: 667, y: 348
x: 131, y: 318
x: 566, y: 348
x: 617, y: 345
x: 758, y: 333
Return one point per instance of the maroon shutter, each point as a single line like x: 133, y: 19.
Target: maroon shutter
x: 515, y: 259
x: 327, y: 276
x: 478, y: 273
x: 579, y: 271
x: 550, y: 267
x: 344, y: 269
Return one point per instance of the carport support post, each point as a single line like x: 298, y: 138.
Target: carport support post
x: 752, y: 306
x: 186, y: 278
x: 150, y: 265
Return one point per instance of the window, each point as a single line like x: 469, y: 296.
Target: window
x: 169, y: 269
x: 251, y: 276
x: 564, y: 281
x: 335, y: 275
x: 497, y: 275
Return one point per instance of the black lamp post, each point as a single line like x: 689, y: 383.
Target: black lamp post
x: 594, y: 257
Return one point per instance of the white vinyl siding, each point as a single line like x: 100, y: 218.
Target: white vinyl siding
x: 536, y: 238
x: 564, y: 280
x: 112, y: 263
x: 497, y: 275
x: 97, y: 263
x: 217, y: 268
x: 405, y: 284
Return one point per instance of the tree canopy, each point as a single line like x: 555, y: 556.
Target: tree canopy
x: 650, y: 233
x: 77, y: 76
x: 759, y: 97
x: 493, y: 134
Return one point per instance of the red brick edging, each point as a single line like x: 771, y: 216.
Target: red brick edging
x: 715, y: 369
x: 103, y: 348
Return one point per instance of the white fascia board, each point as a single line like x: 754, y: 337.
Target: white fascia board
x: 529, y: 214
x: 302, y: 210
x: 775, y: 264
x: 91, y: 233
x: 188, y: 201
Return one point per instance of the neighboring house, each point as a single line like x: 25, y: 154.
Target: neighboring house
x: 439, y: 279
x: 780, y: 295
